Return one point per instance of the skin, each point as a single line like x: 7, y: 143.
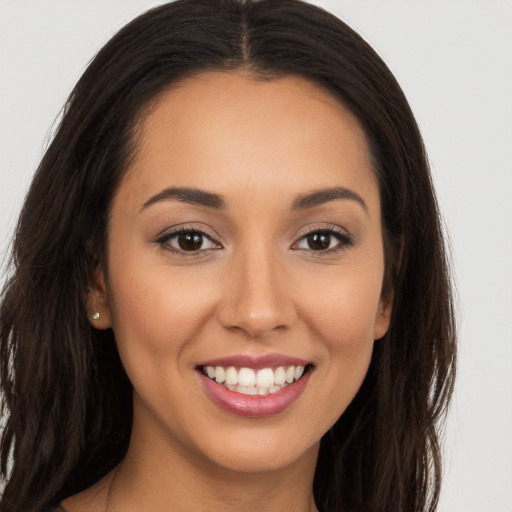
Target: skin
x: 257, y: 287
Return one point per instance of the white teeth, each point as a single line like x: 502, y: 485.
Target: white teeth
x: 231, y: 376
x: 245, y: 390
x: 250, y: 382
x: 246, y: 377
x: 280, y: 376
x: 265, y: 378
x: 220, y: 374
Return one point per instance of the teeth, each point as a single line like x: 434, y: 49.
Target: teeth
x: 280, y: 376
x: 265, y: 378
x: 246, y: 377
x: 231, y: 376
x: 246, y: 390
x: 220, y: 374
x: 249, y: 382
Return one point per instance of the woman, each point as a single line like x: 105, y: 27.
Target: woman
x: 229, y: 287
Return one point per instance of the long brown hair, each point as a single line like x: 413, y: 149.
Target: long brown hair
x: 66, y: 398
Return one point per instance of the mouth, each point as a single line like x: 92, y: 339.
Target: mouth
x: 255, y: 387
x: 249, y: 381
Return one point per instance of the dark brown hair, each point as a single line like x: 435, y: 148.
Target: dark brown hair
x: 66, y: 398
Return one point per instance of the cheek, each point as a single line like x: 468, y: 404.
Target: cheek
x: 341, y: 317
x: 345, y: 325
x: 344, y: 308
x: 159, y: 309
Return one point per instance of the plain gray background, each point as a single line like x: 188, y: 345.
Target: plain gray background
x: 453, y: 58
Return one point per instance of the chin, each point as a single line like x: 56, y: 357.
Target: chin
x: 259, y: 453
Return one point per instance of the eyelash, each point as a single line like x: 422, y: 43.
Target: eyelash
x: 164, y: 240
x: 344, y: 241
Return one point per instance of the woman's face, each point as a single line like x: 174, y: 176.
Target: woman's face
x: 245, y: 245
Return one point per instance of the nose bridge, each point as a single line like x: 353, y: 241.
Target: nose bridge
x: 255, y: 299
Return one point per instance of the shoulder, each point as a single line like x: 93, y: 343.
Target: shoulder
x: 92, y: 499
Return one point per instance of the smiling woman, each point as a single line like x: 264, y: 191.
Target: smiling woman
x: 229, y: 287
x: 234, y: 283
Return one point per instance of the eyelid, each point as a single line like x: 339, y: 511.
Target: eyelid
x: 163, y: 237
x: 187, y: 226
x: 345, y: 239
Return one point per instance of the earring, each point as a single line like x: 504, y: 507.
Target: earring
x: 95, y: 316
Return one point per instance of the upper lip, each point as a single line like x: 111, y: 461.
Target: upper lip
x: 255, y: 362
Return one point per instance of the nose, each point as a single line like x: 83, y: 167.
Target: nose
x: 256, y: 299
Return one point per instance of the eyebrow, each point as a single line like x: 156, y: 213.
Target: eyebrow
x: 210, y: 200
x: 322, y: 196
x: 188, y: 195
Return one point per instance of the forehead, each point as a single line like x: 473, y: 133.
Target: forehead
x: 230, y: 129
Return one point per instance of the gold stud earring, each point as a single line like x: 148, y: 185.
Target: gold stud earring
x: 95, y: 316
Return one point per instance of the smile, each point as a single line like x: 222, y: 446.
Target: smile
x: 255, y: 386
x: 254, y: 382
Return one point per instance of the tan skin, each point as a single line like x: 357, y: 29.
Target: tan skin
x: 257, y: 282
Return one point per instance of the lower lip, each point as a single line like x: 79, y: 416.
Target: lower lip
x: 257, y: 406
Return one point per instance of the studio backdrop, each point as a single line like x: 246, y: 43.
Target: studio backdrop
x: 454, y: 61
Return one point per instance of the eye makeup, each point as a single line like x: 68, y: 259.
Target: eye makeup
x: 191, y: 241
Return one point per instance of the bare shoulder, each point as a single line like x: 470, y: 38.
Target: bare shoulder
x: 93, y: 499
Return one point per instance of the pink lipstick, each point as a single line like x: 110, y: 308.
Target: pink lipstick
x: 255, y: 386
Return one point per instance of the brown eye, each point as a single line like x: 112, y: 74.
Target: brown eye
x: 187, y: 241
x: 324, y: 241
x: 190, y: 241
x: 319, y: 241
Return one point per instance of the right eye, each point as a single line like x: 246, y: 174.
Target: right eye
x: 187, y: 242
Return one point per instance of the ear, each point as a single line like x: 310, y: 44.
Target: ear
x: 395, y: 251
x: 98, y: 302
x: 383, y: 318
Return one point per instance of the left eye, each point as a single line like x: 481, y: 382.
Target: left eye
x: 188, y: 241
x: 322, y: 241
